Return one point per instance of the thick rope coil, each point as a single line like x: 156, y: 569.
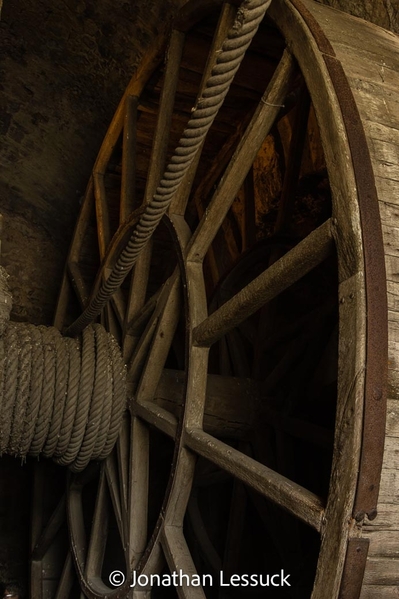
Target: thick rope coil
x: 96, y: 408
x: 60, y: 397
x: 61, y: 374
x: 75, y: 364
x: 107, y: 409
x: 33, y: 406
x: 24, y: 375
x: 9, y: 385
x: 85, y: 393
x: 216, y: 87
x: 46, y: 402
x: 117, y: 412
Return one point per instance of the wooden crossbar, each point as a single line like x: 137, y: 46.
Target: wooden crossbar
x: 300, y: 502
x: 305, y: 256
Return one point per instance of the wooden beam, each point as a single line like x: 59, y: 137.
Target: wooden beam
x: 66, y: 581
x: 300, y: 502
x: 294, y: 161
x: 239, y: 166
x: 179, y: 559
x: 136, y: 299
x: 78, y: 282
x: 103, y: 225
x: 98, y: 532
x: 54, y: 524
x: 138, y: 491
x: 165, y: 113
x: 128, y: 181
x: 162, y: 419
x: 202, y: 539
x: 226, y: 20
x: 305, y: 256
x: 123, y: 456
x: 230, y: 402
x: 111, y: 473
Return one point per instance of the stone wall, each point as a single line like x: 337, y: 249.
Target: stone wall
x: 384, y: 13
x: 64, y: 67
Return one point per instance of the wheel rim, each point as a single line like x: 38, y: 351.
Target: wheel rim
x: 328, y: 519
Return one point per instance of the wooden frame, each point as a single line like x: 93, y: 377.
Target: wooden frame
x: 147, y: 325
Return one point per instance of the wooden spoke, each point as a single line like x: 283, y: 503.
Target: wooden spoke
x: 243, y: 158
x: 141, y: 350
x: 293, y: 168
x: 134, y: 88
x: 103, y: 226
x: 65, y: 296
x: 301, y: 429
x: 161, y: 341
x: 77, y: 525
x: 118, y: 303
x: 284, y: 366
x: 224, y: 358
x: 49, y: 533
x: 226, y: 19
x: 298, y: 501
x: 159, y: 330
x: 128, y: 182
x: 163, y: 420
x: 78, y: 283
x: 99, y: 530
x: 66, y: 581
x: 310, y: 252
x: 136, y: 300
x: 156, y: 340
x: 111, y: 472
x: 208, y: 551
x: 239, y: 358
x: 179, y: 559
x: 84, y: 217
x: 37, y: 524
x: 205, y: 187
x: 123, y: 451
x: 302, y: 323
x: 136, y: 324
x: 217, y: 167
x: 229, y: 405
x: 274, y: 523
x: 73, y: 257
x: 161, y: 137
x: 235, y: 533
x: 138, y: 491
x: 111, y: 321
x: 249, y: 227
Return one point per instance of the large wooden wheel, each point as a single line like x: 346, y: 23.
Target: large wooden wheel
x: 254, y: 324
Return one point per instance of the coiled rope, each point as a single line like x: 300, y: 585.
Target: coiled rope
x: 60, y: 397
x: 246, y: 24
